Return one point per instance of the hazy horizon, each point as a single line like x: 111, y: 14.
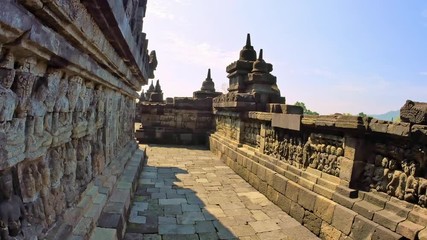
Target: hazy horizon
x: 335, y: 56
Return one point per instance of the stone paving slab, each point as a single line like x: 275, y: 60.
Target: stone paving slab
x: 188, y: 193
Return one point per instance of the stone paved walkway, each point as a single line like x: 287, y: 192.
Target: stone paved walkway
x: 188, y: 193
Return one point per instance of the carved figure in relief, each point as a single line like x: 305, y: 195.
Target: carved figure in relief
x: 323, y: 157
x: 24, y: 84
x: 381, y: 175
x: 299, y: 153
x: 98, y: 159
x: 285, y: 149
x: 401, y: 188
x: 74, y: 89
x: 56, y: 166
x: 306, y: 153
x: 12, y: 211
x: 80, y: 107
x: 338, y: 166
x: 61, y: 117
x: 276, y: 148
x: 331, y: 161
x: 45, y: 192
x: 411, y: 188
x: 37, y: 177
x: 29, y: 184
x: 84, y: 160
x: 70, y: 167
x: 53, y: 78
x: 291, y: 151
x: 36, y: 134
x: 37, y: 103
x: 100, y: 103
x: 422, y: 193
x: 393, y: 182
x: 62, y: 104
x: 8, y: 99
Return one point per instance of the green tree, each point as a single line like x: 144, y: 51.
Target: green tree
x: 305, y: 110
x: 362, y: 114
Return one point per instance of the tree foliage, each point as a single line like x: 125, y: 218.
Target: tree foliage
x: 305, y: 110
x: 362, y: 114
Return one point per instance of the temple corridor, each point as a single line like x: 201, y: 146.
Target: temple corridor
x: 189, y: 193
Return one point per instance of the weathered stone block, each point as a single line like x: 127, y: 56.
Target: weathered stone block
x: 292, y: 191
x: 366, y: 209
x: 387, y: 219
x: 272, y: 194
x: 343, y: 219
x: 414, y: 112
x: 284, y: 203
x: 380, y: 126
x: 328, y: 232
x: 409, y: 229
x: 262, y: 187
x: 323, y: 191
x: 291, y: 176
x: 297, y: 212
x: 418, y: 215
x: 312, y: 222
x: 306, y: 183
x: 362, y: 228
x: 287, y: 121
x: 261, y: 173
x: 344, y: 201
x: 306, y: 199
x: 401, y: 208
x: 279, y: 183
x: 324, y: 208
x: 384, y: 233
x: 399, y: 129
x: 269, y: 176
x: 376, y: 198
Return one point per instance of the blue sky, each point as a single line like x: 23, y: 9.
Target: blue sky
x: 336, y: 56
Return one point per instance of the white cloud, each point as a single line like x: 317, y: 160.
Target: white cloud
x: 161, y: 9
x: 199, y: 53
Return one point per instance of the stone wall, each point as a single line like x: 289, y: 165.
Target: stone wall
x: 69, y: 72
x: 338, y: 175
x: 182, y: 121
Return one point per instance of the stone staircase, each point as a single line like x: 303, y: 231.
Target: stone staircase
x: 103, y: 207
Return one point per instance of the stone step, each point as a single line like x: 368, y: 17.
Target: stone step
x: 112, y: 219
x: 104, y: 234
x: 80, y: 220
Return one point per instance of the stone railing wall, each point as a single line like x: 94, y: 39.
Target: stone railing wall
x: 69, y: 72
x: 338, y: 175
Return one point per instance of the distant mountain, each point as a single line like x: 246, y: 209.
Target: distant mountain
x: 388, y: 116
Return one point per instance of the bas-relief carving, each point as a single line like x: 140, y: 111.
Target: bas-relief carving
x: 228, y: 126
x: 84, y: 161
x: 24, y: 81
x: 37, y: 123
x: 397, y: 171
x: 13, y: 216
x: 251, y: 134
x: 320, y: 152
x: 39, y: 111
x: 8, y: 99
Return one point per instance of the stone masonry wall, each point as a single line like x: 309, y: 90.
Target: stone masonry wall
x: 185, y: 121
x: 69, y: 72
x: 340, y: 176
